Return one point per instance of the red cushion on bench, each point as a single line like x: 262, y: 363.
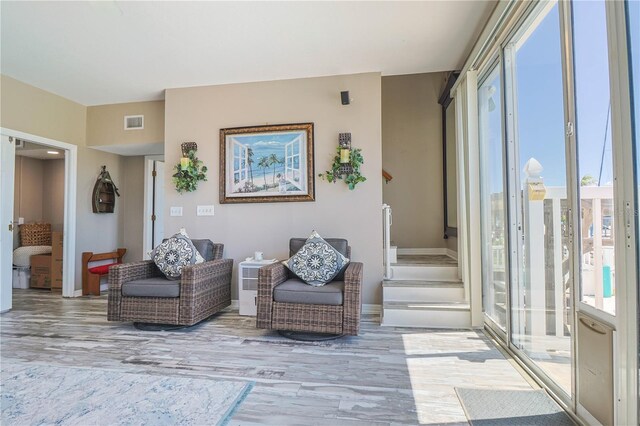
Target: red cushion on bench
x: 102, y: 269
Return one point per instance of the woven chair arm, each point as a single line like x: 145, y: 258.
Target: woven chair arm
x: 202, y: 282
x: 124, y: 272
x: 213, y: 268
x: 268, y: 278
x: 352, y: 298
x: 218, y: 249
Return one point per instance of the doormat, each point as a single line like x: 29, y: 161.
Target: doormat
x: 488, y: 407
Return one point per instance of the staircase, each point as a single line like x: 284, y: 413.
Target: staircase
x: 424, y: 291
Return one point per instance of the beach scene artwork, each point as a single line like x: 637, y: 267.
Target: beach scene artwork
x: 266, y: 164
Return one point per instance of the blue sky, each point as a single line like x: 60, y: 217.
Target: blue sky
x: 540, y: 95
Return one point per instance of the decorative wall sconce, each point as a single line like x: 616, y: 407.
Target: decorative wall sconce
x: 346, y: 163
x: 189, y: 171
x: 186, y: 148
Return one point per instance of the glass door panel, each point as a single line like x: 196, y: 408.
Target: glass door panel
x: 541, y: 254
x: 492, y: 196
x: 595, y: 162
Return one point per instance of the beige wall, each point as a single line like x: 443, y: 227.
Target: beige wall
x: 31, y: 110
x: 27, y: 194
x: 199, y: 113
x: 53, y: 193
x: 105, y: 123
x: 35, y: 111
x: 412, y: 154
x: 132, y: 202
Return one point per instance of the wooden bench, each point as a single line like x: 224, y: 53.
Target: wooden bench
x: 91, y: 276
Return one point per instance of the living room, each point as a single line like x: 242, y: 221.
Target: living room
x: 212, y: 73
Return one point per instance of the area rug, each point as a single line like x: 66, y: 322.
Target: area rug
x: 488, y: 407
x: 34, y: 395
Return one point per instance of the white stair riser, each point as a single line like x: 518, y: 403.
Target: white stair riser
x: 423, y: 294
x: 432, y: 273
x: 426, y: 318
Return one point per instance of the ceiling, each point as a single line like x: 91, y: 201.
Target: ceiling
x: 114, y: 51
x: 40, y: 152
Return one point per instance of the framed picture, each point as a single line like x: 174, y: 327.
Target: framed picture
x: 265, y: 164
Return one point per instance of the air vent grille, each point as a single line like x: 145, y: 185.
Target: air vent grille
x: 133, y: 122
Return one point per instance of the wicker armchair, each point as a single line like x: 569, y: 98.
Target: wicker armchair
x: 139, y: 292
x: 286, y: 303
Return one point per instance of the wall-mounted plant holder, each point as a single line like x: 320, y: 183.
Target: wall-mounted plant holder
x: 189, y: 171
x: 346, y: 163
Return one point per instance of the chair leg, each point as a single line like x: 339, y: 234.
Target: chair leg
x: 93, y: 284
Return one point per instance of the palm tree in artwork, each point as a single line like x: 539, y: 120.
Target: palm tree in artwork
x: 264, y: 164
x: 250, y: 163
x: 274, y: 161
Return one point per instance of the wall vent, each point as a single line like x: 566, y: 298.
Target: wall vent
x: 133, y: 122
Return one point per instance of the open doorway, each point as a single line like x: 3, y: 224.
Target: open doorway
x: 27, y: 175
x: 38, y: 212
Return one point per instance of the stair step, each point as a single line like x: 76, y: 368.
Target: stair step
x: 424, y: 272
x: 427, y: 306
x: 422, y: 291
x: 422, y: 283
x: 426, y: 315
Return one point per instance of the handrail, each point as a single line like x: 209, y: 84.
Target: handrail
x: 387, y: 176
x: 387, y: 221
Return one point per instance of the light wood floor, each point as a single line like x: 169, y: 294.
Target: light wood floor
x: 384, y: 376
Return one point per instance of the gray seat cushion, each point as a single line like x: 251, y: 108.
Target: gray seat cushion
x: 151, y: 287
x: 295, y: 290
x: 339, y: 244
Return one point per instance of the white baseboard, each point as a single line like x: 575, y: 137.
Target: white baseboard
x: 77, y: 293
x: 234, y: 305
x: 452, y: 254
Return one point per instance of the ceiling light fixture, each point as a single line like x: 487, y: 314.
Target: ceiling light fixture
x: 53, y: 152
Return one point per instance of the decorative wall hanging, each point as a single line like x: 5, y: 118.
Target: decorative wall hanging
x: 346, y: 163
x: 190, y: 170
x: 104, y: 193
x: 264, y: 164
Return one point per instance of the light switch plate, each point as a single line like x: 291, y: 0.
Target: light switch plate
x: 204, y: 211
x: 175, y: 211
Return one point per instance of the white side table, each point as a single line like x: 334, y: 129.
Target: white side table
x: 248, y: 285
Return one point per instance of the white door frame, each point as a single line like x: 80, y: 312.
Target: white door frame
x: 70, y: 189
x: 148, y: 202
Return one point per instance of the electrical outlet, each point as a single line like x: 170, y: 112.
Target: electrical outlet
x: 175, y: 211
x: 204, y: 211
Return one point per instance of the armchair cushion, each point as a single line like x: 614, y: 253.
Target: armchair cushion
x: 151, y: 287
x: 205, y: 247
x: 340, y: 244
x: 173, y: 254
x: 296, y: 291
x: 317, y: 262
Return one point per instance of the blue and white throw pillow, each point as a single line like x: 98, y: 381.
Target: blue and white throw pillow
x: 317, y: 262
x: 174, y: 254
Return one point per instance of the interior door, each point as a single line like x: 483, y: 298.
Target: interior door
x: 7, y: 166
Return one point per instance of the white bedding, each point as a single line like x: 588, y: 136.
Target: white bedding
x: 22, y: 255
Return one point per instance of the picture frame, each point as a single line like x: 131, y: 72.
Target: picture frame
x: 267, y: 164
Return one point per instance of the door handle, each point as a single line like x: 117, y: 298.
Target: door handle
x: 591, y: 326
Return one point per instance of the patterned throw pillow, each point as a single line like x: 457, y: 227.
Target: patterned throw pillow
x: 174, y: 254
x: 317, y: 262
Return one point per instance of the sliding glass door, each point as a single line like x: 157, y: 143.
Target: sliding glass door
x: 492, y: 199
x: 541, y: 249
